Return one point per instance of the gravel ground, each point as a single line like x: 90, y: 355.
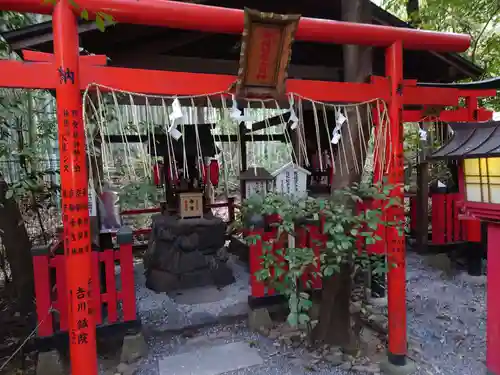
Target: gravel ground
x: 160, y: 312
x: 446, y: 321
x: 446, y: 327
x: 277, y: 360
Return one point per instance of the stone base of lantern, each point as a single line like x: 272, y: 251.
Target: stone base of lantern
x: 182, y: 253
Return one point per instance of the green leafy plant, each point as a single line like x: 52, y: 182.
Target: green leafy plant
x: 102, y: 19
x: 344, y: 224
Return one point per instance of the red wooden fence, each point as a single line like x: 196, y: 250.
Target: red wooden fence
x: 309, y: 235
x: 52, y: 294
x: 447, y: 226
x: 263, y: 242
x: 230, y: 204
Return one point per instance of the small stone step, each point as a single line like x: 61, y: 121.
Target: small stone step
x: 213, y: 360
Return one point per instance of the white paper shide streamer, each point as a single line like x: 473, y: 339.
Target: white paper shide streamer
x: 340, y: 120
x: 176, y: 117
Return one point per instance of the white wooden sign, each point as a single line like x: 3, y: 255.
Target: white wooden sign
x: 291, y: 179
x: 256, y: 187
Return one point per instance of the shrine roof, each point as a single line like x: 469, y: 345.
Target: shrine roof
x: 290, y: 165
x: 256, y: 174
x: 149, y: 47
x: 471, y: 140
x: 485, y: 84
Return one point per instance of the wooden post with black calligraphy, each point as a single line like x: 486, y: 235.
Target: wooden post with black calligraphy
x: 74, y: 187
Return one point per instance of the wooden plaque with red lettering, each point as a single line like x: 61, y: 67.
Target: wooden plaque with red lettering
x: 266, y: 50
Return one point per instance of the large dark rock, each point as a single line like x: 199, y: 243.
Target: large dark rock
x: 182, y: 253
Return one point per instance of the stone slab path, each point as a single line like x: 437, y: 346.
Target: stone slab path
x: 213, y: 360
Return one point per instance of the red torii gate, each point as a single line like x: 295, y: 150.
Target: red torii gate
x: 69, y: 73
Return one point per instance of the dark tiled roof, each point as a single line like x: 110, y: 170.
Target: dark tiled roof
x: 256, y: 174
x: 471, y: 140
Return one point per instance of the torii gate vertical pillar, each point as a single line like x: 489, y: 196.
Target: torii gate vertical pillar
x: 397, y: 361
x: 74, y: 187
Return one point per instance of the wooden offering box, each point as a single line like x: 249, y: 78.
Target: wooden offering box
x: 191, y: 205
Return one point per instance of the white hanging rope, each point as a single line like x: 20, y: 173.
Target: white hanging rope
x: 288, y: 138
x: 263, y: 117
x: 128, y: 158
x: 224, y: 119
x: 352, y: 153
x: 318, y: 141
x: 382, y: 136
x: 302, y: 140
x: 254, y: 159
x: 185, y: 169
x: 170, y: 160
x: 135, y: 119
x: 342, y: 112
x: 327, y: 127
x: 150, y: 121
x: 199, y: 152
x: 106, y: 154
x: 91, y: 150
x: 212, y: 110
x: 361, y: 132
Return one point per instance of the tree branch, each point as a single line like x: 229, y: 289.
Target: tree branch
x: 476, y: 43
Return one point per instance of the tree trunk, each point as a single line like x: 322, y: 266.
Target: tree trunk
x: 18, y: 249
x: 413, y: 12
x: 334, y: 326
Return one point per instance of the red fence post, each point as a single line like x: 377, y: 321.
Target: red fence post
x: 450, y: 219
x: 58, y: 262
x: 317, y: 242
x: 96, y: 291
x: 257, y: 287
x: 108, y: 258
x: 41, y: 273
x: 438, y: 218
x: 125, y: 239
x: 302, y: 241
x: 493, y: 302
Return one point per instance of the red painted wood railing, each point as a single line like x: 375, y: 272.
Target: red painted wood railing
x: 447, y: 226
x: 230, y: 204
x: 309, y: 235
x: 51, y: 291
x: 263, y: 242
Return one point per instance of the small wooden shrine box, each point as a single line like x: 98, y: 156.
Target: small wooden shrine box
x: 256, y: 181
x: 191, y: 205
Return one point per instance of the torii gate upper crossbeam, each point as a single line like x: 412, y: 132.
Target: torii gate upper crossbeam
x: 214, y: 19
